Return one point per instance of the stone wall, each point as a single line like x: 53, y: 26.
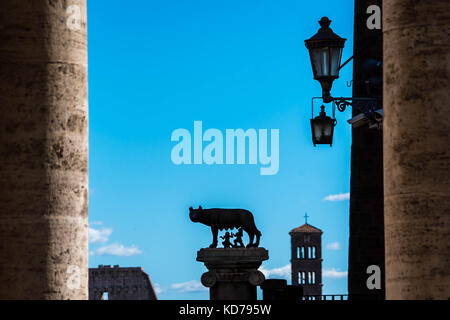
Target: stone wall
x: 120, y: 283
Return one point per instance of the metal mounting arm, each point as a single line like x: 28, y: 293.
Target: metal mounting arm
x: 363, y: 105
x: 348, y: 60
x: 367, y: 106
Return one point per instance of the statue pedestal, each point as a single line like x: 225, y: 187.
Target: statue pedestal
x: 233, y: 273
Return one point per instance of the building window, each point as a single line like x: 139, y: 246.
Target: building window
x: 300, y: 253
x: 302, y: 276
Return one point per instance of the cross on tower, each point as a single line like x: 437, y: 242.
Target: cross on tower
x: 306, y: 218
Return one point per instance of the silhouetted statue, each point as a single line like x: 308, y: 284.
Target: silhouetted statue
x: 226, y: 243
x: 220, y: 219
x: 238, y: 241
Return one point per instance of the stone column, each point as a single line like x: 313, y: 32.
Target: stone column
x: 43, y: 150
x: 233, y: 273
x: 417, y: 148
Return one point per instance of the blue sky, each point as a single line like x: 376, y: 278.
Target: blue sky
x: 156, y: 66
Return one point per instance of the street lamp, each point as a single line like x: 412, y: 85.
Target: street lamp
x: 325, y: 50
x: 322, y: 128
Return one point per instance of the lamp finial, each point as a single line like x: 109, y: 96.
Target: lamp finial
x: 325, y: 22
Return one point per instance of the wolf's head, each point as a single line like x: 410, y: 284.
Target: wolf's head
x: 195, y: 214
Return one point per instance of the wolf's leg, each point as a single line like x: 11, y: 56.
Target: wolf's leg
x: 214, y: 233
x: 251, y: 235
x: 258, y: 236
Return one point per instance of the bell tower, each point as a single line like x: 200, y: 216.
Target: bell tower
x: 306, y: 258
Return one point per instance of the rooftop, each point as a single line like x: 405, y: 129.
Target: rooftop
x: 306, y: 228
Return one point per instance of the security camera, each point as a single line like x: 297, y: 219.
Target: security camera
x: 378, y: 115
x: 374, y: 121
x: 358, y: 120
x: 377, y: 120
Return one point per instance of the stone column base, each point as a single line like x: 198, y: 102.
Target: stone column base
x: 233, y: 273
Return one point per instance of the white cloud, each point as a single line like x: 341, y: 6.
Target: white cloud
x: 283, y: 272
x: 189, y: 286
x: 333, y: 273
x: 337, y: 197
x: 334, y: 246
x: 117, y: 249
x: 99, y: 235
x: 158, y: 289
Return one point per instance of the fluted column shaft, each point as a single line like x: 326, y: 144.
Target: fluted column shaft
x: 43, y: 150
x: 416, y: 148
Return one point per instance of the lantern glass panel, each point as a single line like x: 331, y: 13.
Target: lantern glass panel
x: 320, y: 130
x: 320, y: 58
x: 336, y: 56
x: 316, y: 130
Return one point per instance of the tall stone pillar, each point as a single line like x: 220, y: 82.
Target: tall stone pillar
x: 43, y: 150
x: 366, y: 244
x: 417, y: 148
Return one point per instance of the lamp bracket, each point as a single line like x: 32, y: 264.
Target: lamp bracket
x: 347, y: 61
x: 364, y: 105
